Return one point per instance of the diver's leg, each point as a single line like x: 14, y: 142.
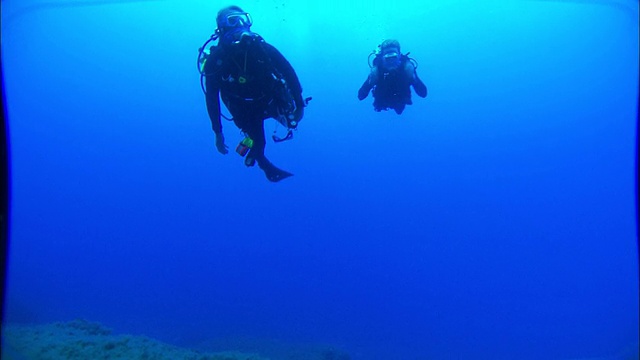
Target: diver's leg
x: 251, y: 126
x: 273, y: 173
x: 255, y: 130
x: 376, y: 104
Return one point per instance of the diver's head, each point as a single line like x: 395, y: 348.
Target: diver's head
x: 232, y: 18
x: 390, y: 54
x: 233, y: 24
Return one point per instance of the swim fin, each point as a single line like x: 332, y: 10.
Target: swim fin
x: 273, y: 173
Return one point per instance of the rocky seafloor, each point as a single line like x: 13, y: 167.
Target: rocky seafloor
x: 85, y: 340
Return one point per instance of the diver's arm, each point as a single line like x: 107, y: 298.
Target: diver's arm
x: 212, y: 97
x: 280, y: 62
x: 419, y: 87
x: 363, y: 92
x: 213, y: 105
x: 367, y: 86
x: 212, y: 89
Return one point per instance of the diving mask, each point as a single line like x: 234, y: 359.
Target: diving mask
x: 237, y: 20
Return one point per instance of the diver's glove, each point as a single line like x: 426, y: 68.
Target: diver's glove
x: 220, y: 145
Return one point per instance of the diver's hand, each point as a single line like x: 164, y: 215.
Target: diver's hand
x: 220, y: 145
x: 299, y: 113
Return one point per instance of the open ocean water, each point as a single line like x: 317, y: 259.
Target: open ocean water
x: 494, y: 219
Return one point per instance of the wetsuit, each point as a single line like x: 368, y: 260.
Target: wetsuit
x: 392, y: 88
x: 249, y: 80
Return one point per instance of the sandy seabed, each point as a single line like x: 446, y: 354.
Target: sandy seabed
x: 84, y: 340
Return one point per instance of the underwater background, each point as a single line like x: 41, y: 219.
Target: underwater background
x: 494, y: 219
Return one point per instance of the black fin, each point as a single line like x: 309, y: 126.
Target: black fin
x: 273, y: 173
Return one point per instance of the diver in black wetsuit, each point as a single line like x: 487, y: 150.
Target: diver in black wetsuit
x: 255, y: 82
x: 391, y: 78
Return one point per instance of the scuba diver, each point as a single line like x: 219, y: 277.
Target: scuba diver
x: 391, y: 77
x: 255, y: 82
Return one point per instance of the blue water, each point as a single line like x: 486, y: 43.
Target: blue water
x: 494, y: 219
